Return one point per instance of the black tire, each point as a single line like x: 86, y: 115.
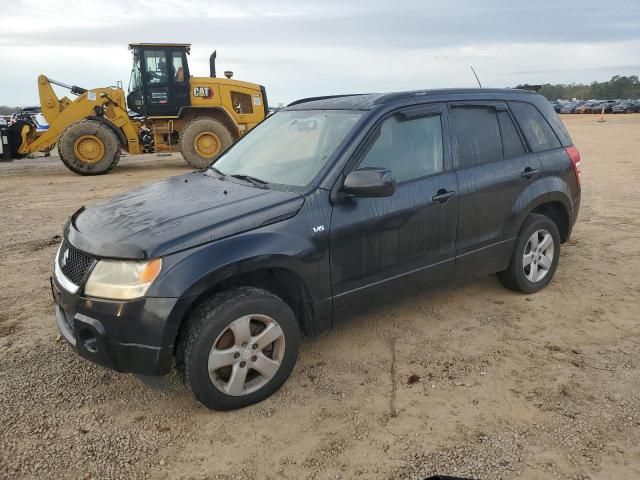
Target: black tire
x: 74, y: 132
x: 514, y: 277
x: 14, y: 135
x: 210, y: 320
x: 195, y: 128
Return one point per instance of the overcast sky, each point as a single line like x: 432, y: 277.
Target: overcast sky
x: 298, y: 48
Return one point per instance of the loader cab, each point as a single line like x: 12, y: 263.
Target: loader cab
x: 159, y: 84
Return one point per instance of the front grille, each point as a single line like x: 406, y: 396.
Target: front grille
x: 74, y: 263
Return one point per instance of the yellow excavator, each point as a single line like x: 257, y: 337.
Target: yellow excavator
x: 168, y: 110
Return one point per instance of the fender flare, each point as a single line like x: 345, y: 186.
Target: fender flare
x: 545, y: 190
x: 209, y: 284
x: 121, y: 136
x: 217, y: 112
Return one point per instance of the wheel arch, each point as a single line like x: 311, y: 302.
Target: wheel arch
x: 281, y: 280
x: 187, y: 114
x: 556, y: 206
x: 549, y: 196
x: 558, y: 213
x: 119, y: 133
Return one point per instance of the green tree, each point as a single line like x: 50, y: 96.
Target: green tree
x: 617, y: 87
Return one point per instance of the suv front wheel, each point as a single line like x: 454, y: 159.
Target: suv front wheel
x: 239, y: 348
x: 535, y: 256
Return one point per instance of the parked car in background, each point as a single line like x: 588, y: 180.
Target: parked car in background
x: 595, y: 106
x: 629, y: 106
x: 606, y: 106
x: 325, y: 207
x: 34, y: 114
x: 569, y: 107
x: 585, y: 107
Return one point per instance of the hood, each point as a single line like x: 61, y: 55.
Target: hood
x: 176, y: 214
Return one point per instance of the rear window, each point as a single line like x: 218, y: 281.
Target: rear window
x: 511, y: 142
x: 241, y: 102
x: 477, y: 135
x: 536, y: 129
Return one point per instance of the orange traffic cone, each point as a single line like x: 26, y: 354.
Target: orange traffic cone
x: 601, y: 119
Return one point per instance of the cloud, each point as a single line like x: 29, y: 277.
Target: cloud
x: 304, y: 48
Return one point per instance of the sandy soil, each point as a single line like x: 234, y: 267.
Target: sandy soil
x: 474, y: 381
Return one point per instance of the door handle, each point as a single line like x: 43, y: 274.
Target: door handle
x: 529, y: 172
x: 443, y: 195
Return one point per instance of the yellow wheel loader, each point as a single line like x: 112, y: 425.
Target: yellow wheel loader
x: 168, y: 110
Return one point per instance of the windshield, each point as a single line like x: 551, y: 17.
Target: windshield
x: 135, y: 80
x: 290, y: 147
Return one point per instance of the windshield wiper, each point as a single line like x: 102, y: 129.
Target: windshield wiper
x: 220, y: 175
x: 256, y: 181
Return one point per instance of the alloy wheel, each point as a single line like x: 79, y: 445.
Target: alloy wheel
x: 538, y: 255
x: 246, y: 355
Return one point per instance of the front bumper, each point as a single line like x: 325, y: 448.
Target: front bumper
x: 126, y: 336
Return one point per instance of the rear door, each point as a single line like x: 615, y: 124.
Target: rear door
x: 493, y: 166
x: 381, y: 246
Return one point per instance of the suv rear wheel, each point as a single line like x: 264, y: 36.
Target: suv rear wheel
x: 535, y: 256
x: 239, y: 348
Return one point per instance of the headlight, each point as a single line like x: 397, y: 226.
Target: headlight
x: 122, y: 280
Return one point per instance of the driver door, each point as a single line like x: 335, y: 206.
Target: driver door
x: 381, y: 247
x: 178, y: 79
x: 156, y: 82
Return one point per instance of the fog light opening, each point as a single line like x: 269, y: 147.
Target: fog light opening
x: 89, y: 340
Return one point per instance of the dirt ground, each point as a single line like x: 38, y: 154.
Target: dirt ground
x: 473, y: 381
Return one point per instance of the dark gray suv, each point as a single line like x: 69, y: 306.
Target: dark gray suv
x: 326, y: 207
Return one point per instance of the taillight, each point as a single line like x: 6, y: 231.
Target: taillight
x: 574, y: 155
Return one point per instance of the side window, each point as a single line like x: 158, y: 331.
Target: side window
x: 409, y: 148
x: 511, y: 142
x: 177, y: 67
x: 534, y: 126
x: 477, y: 135
x: 156, y: 69
x: 241, y: 102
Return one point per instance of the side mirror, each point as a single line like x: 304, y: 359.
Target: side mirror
x: 369, y: 182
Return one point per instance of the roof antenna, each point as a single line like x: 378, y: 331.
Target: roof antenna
x: 476, y: 75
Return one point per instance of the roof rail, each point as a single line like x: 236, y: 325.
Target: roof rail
x: 391, y: 97
x: 325, y: 97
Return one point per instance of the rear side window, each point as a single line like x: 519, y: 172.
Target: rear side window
x: 476, y: 134
x: 511, y: 142
x: 241, y: 102
x: 536, y: 129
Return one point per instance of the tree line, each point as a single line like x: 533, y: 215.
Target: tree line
x: 618, y: 87
x: 5, y: 110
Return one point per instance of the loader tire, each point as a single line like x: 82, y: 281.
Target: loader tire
x: 88, y: 147
x: 202, y: 140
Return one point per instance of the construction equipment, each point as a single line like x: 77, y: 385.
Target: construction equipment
x: 169, y: 111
